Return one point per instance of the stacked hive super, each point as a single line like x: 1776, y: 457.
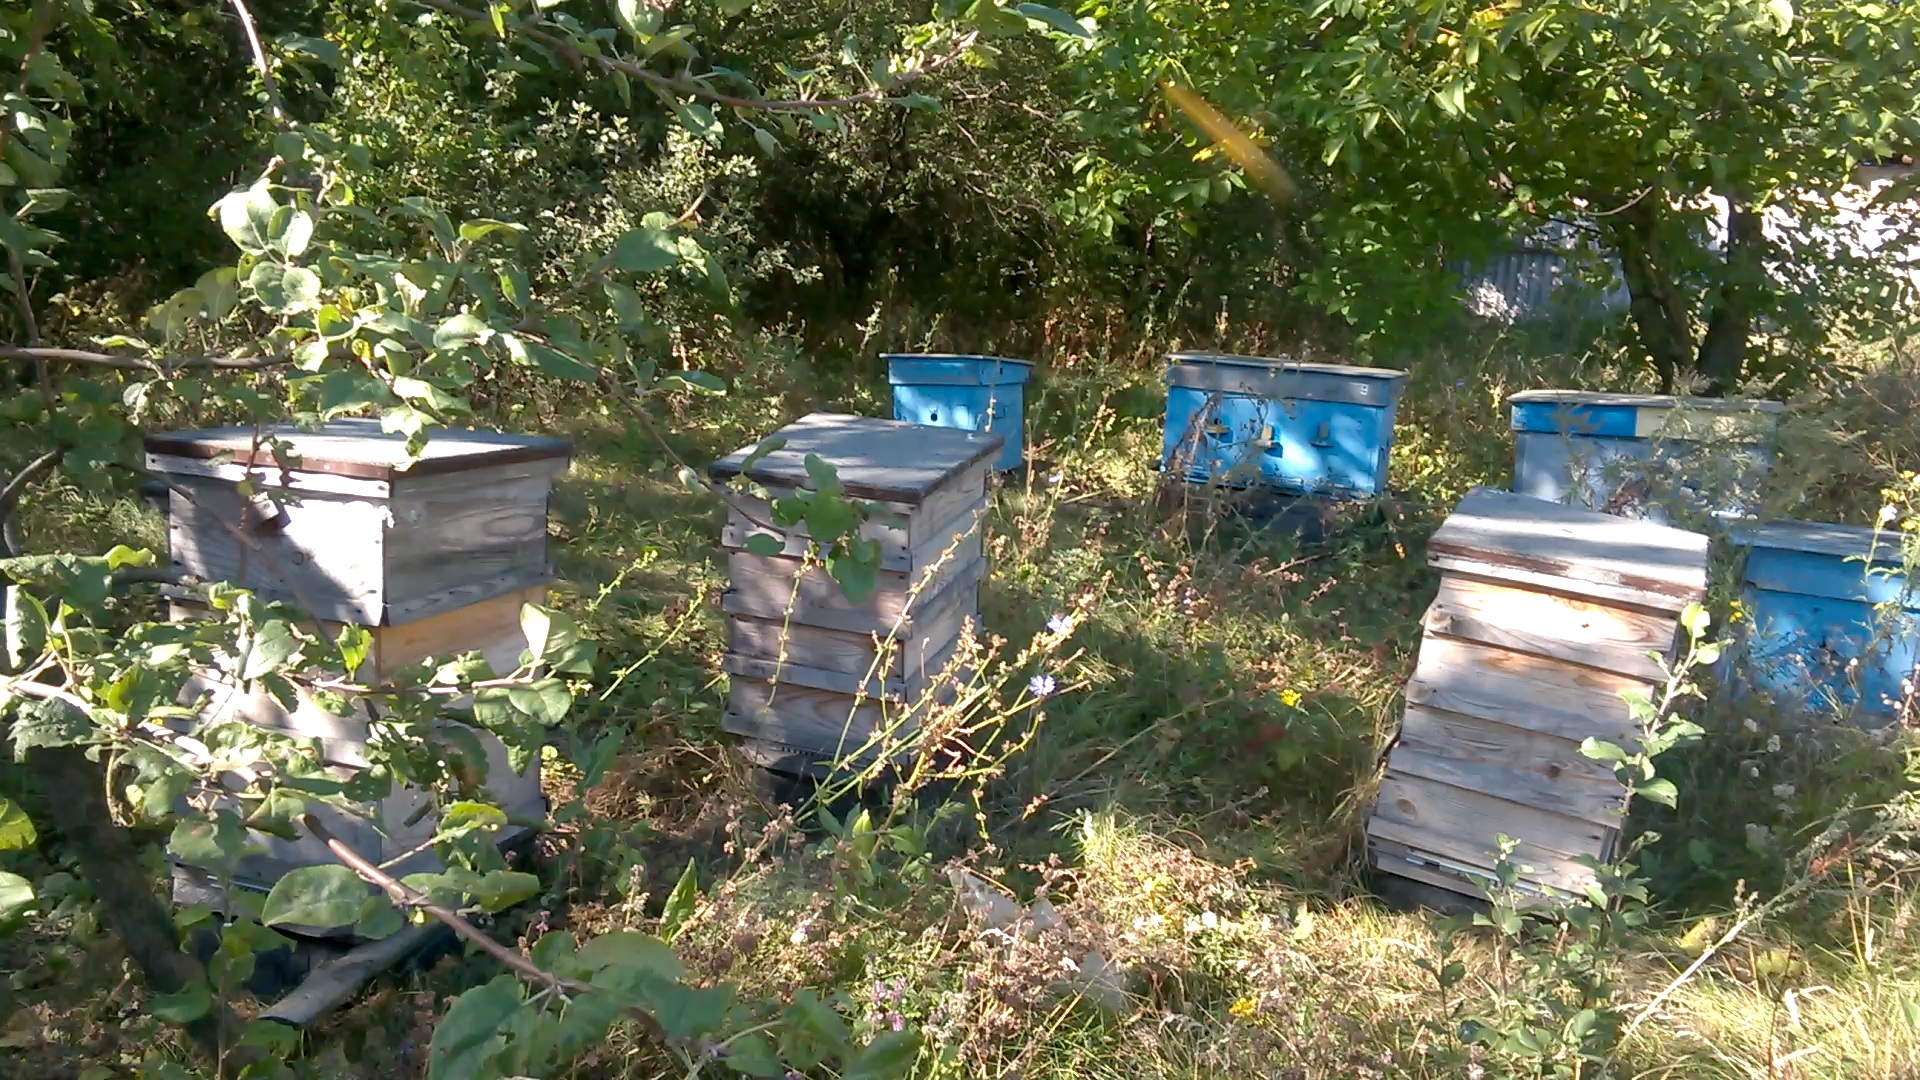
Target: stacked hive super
x: 818, y: 677
x: 434, y: 558
x: 1546, y: 615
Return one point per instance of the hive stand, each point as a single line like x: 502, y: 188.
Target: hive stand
x: 1817, y: 637
x: 1629, y: 454
x: 1546, y: 615
x: 814, y: 674
x: 433, y: 559
x: 1306, y: 429
x: 972, y: 393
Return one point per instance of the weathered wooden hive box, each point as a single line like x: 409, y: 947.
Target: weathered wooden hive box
x: 372, y: 540
x: 1636, y: 454
x: 1241, y: 421
x: 1834, y: 624
x: 435, y: 560
x: 1546, y: 615
x: 817, y: 677
x: 971, y: 393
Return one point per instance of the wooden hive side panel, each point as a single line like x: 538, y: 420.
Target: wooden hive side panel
x: 1616, y: 639
x: 323, y: 553
x: 948, y: 508
x: 1520, y: 766
x: 897, y: 654
x: 772, y: 584
x: 831, y: 724
x: 1464, y: 826
x: 748, y: 516
x: 1523, y: 691
x: 456, y: 530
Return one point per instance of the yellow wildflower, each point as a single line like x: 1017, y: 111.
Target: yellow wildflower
x: 1290, y: 697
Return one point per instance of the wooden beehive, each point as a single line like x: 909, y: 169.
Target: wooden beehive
x: 434, y: 557
x: 1546, y: 615
x: 370, y: 537
x: 815, y: 675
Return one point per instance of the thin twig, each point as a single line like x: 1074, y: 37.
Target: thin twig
x: 404, y: 896
x: 9, y: 540
x: 261, y: 63
x: 135, y: 363
x: 535, y: 28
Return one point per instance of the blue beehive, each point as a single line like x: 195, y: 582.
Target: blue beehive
x: 972, y: 393
x: 1632, y: 454
x: 1244, y: 421
x: 1819, y: 632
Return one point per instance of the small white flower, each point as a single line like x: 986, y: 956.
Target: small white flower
x: 1888, y: 513
x: 1753, y: 771
x: 1752, y: 725
x: 1209, y: 920
x: 800, y: 932
x: 1783, y: 791
x: 1773, y: 744
x: 1758, y: 835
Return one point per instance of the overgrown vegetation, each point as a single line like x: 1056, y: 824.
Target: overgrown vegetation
x: 662, y: 231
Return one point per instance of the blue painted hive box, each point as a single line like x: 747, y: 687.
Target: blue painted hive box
x: 972, y: 393
x: 1638, y: 455
x: 1835, y: 624
x: 1243, y: 421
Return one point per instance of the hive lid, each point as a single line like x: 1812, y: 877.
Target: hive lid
x: 1518, y: 537
x: 962, y: 369
x: 1644, y: 401
x: 1822, y: 538
x: 876, y: 459
x: 358, y: 448
x: 1276, y: 365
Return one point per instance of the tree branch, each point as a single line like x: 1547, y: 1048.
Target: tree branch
x: 404, y: 896
x: 44, y: 355
x: 261, y: 63
x: 534, y: 28
x: 9, y: 539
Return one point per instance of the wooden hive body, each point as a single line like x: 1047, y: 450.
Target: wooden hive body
x: 364, y: 538
x: 815, y: 675
x: 1631, y: 454
x: 1546, y: 615
x: 1321, y: 429
x: 1835, y: 624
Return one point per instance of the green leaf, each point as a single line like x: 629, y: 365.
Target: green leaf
x: 247, y: 217
x: 16, y: 830
x: 462, y: 330
x: 765, y: 544
x: 481, y: 228
x: 629, y: 311
x: 536, y: 625
x: 354, y: 643
x: 498, y: 890
x: 513, y: 286
x: 857, y: 577
x: 645, y: 250
x: 559, y: 364
x: 769, y: 143
x: 285, y: 290
x: 322, y: 897
x: 687, y: 1012
x: 469, y: 1035
x: 465, y: 817
x: 754, y: 1056
x: 1601, y: 750
x: 313, y: 48
x: 378, y: 919
x: 1782, y: 12
x: 272, y: 645
x: 700, y: 382
x: 891, y: 1056
x: 188, y: 1004
x: 48, y: 723
x: 1696, y: 618
x: 290, y: 230
x: 700, y: 120
x: 812, y: 1032
x: 219, y: 291
x: 630, y: 950
x: 640, y: 17
x: 681, y: 903
x: 26, y: 627
x: 1660, y: 790
x: 16, y: 894
x: 826, y: 479
x: 1053, y: 19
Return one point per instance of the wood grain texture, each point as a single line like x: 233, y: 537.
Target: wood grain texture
x: 771, y: 583
x: 1465, y: 826
x: 326, y: 554
x: 1502, y: 536
x: 965, y: 582
x: 450, y: 534
x: 833, y: 725
x: 930, y: 632
x: 1602, y: 636
x: 358, y: 448
x: 875, y: 459
x: 176, y: 466
x: 1523, y: 691
x: 908, y: 540
x: 1520, y: 766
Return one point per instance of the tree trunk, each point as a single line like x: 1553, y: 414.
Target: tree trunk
x: 1659, y: 310
x: 113, y: 866
x: 1723, y: 352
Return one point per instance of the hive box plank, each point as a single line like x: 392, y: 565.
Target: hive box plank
x: 813, y: 673
x: 1242, y: 421
x: 1547, y: 617
x: 348, y: 527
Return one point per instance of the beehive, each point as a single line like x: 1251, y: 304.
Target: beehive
x: 435, y: 558
x: 971, y: 393
x: 1546, y: 615
x: 1322, y: 429
x: 1833, y: 623
x: 372, y: 539
x: 815, y: 675
x: 1636, y: 454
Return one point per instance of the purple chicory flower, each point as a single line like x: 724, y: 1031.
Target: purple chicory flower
x: 1041, y: 685
x: 1061, y: 624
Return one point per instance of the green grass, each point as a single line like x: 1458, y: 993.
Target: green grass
x: 1191, y: 803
